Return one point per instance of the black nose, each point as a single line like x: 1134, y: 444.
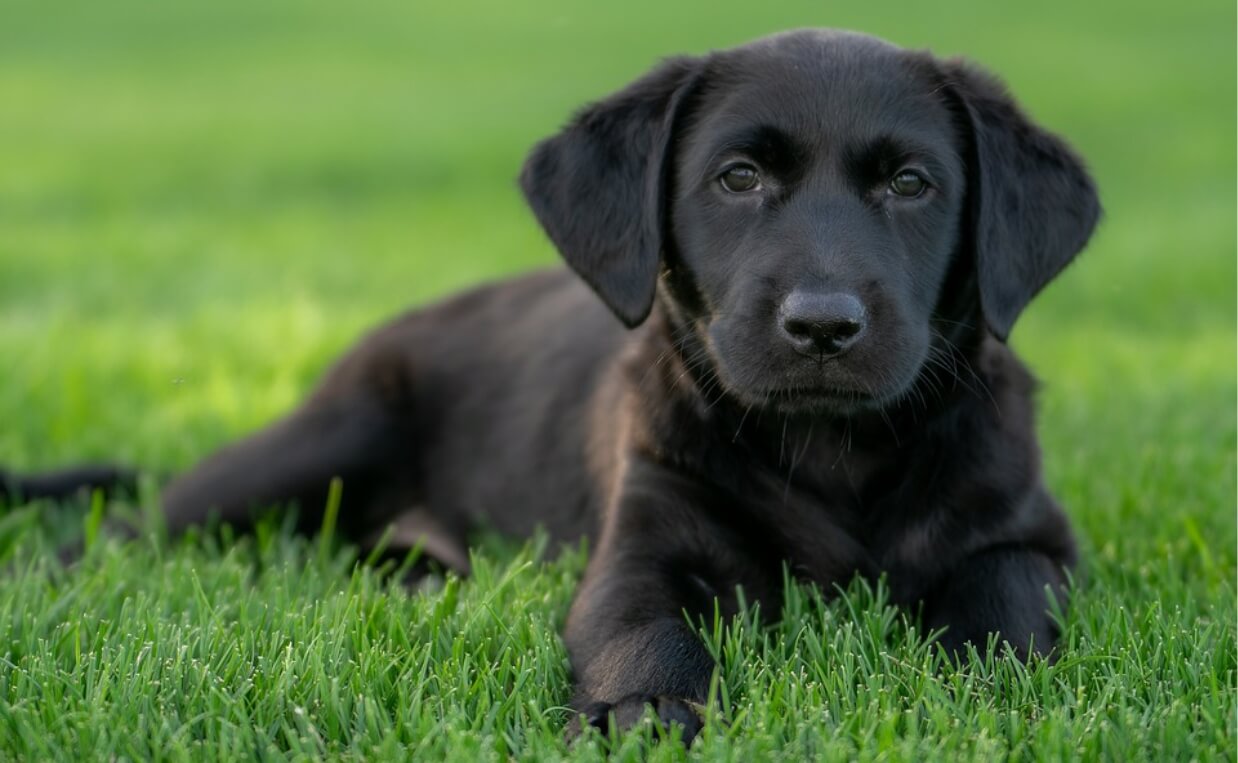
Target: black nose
x: 822, y: 324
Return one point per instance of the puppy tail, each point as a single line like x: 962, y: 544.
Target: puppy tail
x: 17, y: 487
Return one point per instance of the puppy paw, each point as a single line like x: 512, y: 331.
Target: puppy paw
x: 629, y: 711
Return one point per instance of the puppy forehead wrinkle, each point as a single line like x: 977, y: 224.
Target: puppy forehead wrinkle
x: 828, y: 96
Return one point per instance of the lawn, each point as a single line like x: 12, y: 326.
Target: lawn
x: 201, y: 205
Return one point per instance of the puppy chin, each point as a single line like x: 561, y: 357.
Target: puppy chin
x: 821, y: 404
x: 834, y: 392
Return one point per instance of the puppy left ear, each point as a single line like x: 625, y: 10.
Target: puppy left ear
x: 1033, y: 204
x: 599, y: 187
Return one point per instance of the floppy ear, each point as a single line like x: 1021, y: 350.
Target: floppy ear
x: 599, y: 187
x: 1033, y: 204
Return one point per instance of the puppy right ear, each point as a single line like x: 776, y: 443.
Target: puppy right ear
x: 599, y: 187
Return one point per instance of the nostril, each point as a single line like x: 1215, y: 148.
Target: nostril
x: 846, y: 328
x: 798, y: 327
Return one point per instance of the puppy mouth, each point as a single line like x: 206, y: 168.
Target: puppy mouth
x: 804, y: 382
x: 840, y: 392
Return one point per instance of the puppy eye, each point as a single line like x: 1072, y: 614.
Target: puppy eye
x: 908, y: 184
x: 740, y: 178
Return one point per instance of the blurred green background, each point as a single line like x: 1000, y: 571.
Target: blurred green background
x: 202, y: 204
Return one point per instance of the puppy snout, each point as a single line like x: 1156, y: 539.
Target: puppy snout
x: 823, y: 325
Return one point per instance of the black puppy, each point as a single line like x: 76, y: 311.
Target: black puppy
x: 815, y: 246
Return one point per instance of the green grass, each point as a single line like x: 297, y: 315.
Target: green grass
x: 201, y: 206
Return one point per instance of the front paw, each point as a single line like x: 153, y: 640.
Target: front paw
x: 629, y: 711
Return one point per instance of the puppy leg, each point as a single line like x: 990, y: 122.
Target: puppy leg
x: 1002, y: 590
x: 352, y: 436
x: 418, y: 528
x: 632, y: 647
x: 628, y: 633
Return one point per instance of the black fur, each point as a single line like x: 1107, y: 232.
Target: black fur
x: 1032, y: 204
x: 717, y: 442
x: 599, y: 188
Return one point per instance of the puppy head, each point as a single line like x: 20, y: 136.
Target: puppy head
x: 813, y: 204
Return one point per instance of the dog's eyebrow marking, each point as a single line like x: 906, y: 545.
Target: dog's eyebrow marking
x: 872, y: 161
x: 770, y: 146
x: 892, y: 148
